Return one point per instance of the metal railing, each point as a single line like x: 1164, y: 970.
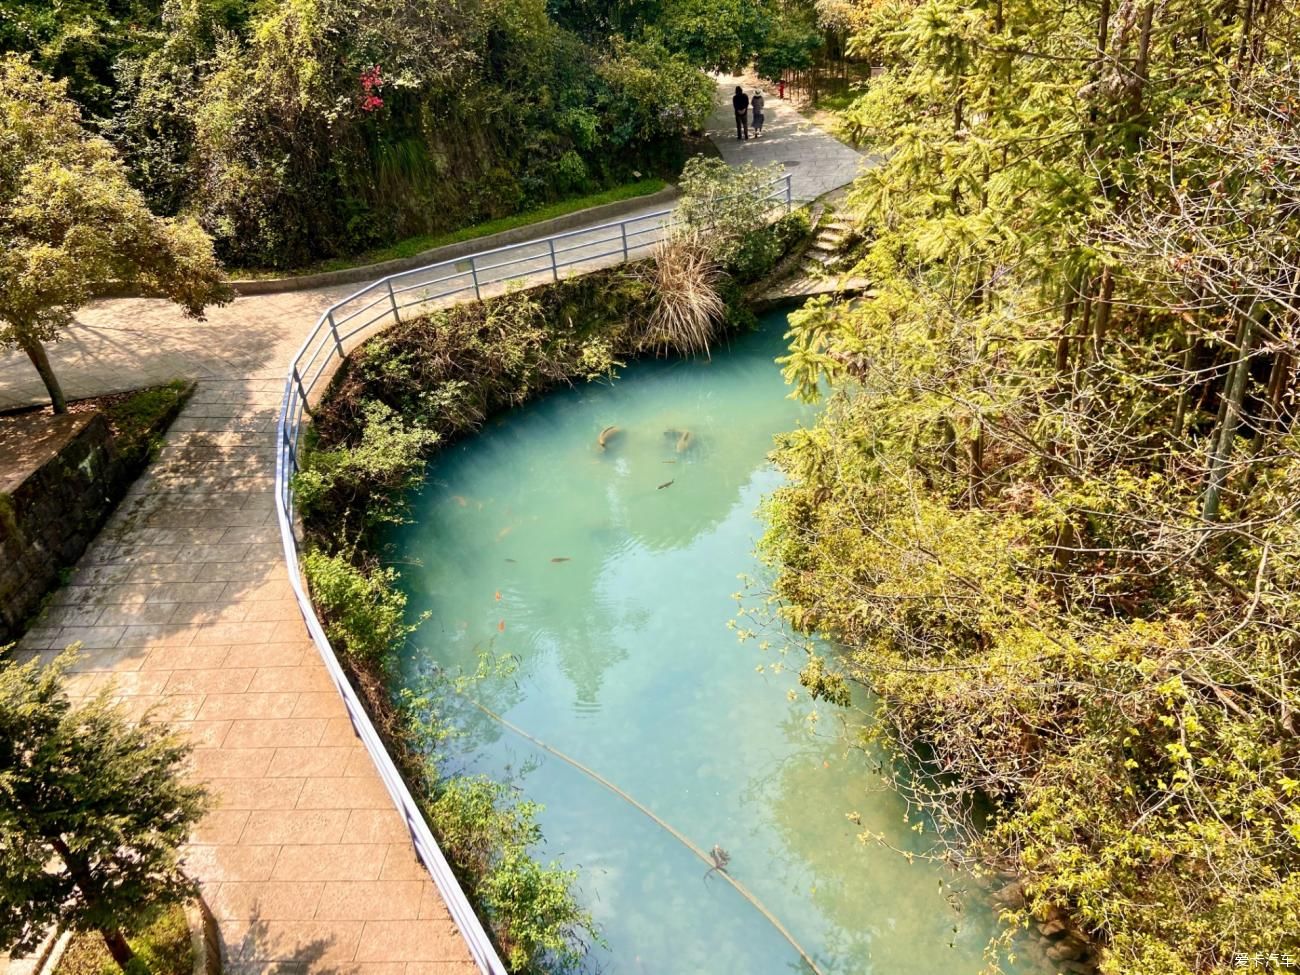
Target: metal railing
x: 345, y: 325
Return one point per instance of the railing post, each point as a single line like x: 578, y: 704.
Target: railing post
x: 392, y: 300
x: 555, y: 268
x: 473, y: 271
x: 290, y: 453
x: 789, y: 198
x: 297, y: 381
x: 334, y: 330
x: 623, y: 229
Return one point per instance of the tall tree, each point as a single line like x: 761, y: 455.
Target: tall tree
x: 92, y: 811
x: 71, y: 224
x: 1051, y: 510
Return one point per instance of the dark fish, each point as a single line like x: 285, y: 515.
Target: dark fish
x: 561, y: 558
x: 666, y: 484
x: 509, y: 560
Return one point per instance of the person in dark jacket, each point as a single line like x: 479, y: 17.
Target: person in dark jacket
x: 740, y: 102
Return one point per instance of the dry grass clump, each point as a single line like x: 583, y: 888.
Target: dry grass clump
x: 687, y: 305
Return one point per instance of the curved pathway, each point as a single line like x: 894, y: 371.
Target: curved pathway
x: 182, y: 606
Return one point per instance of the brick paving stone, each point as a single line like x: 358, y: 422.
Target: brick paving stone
x: 184, y: 610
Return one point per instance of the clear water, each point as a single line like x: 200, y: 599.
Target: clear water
x: 625, y: 663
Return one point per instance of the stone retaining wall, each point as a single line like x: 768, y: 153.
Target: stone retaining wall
x: 59, y: 479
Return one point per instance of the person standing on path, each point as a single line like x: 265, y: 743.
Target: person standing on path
x: 756, y: 103
x: 740, y: 104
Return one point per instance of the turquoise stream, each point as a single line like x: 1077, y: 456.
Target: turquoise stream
x: 626, y: 663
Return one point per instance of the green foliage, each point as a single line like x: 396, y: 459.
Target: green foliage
x: 489, y: 835
x: 296, y: 130
x: 790, y: 45
x: 759, y: 251
x: 1048, y: 510
x: 823, y: 684
x: 93, y: 809
x: 449, y: 371
x: 370, y: 476
x: 726, y: 208
x: 364, y: 612
x: 652, y: 95
x: 412, y: 246
x: 161, y: 943
x: 720, y: 35
x: 139, y: 421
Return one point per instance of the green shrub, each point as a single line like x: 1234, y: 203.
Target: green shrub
x: 571, y: 173
x: 488, y: 835
x: 370, y: 477
x: 757, y: 253
x: 162, y: 947
x: 139, y: 421
x: 364, y: 613
x: 792, y: 228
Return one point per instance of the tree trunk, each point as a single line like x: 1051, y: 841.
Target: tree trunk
x: 117, y: 947
x: 1103, y: 311
x: 36, y: 352
x: 1243, y: 42
x: 1270, y: 415
x: 84, y: 880
x: 1063, y: 343
x: 975, y: 451
x: 1180, y: 412
x: 1099, y: 69
x: 1222, y: 443
x: 1143, y: 66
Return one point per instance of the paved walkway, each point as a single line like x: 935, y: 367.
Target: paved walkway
x: 816, y: 162
x: 182, y: 604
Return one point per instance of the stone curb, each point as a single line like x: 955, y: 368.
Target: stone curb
x: 516, y: 235
x: 204, y: 937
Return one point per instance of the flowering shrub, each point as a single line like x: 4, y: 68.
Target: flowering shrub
x: 371, y: 81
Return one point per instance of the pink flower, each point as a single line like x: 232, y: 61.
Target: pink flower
x: 372, y: 81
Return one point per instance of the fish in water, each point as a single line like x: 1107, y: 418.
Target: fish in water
x: 683, y: 441
x: 509, y: 560
x: 498, y: 595
x: 561, y: 558
x: 460, y: 499
x: 504, y: 532
x: 605, y: 436
x: 501, y: 626
x: 720, y: 859
x: 666, y: 484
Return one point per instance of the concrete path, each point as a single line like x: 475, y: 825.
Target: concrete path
x: 816, y: 162
x: 183, y: 606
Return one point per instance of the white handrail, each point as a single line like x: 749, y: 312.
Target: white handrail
x: 287, y: 432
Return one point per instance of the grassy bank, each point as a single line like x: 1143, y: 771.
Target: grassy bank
x: 412, y: 246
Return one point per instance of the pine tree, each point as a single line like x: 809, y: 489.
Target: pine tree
x: 92, y: 811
